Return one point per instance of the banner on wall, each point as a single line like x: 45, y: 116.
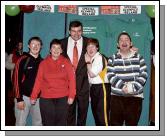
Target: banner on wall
x: 88, y: 11
x: 130, y: 9
x: 67, y: 9
x: 44, y: 8
x: 107, y: 10
x: 92, y: 11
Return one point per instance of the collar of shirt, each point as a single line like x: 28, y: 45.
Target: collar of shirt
x: 97, y: 54
x: 72, y: 41
x: 131, y: 54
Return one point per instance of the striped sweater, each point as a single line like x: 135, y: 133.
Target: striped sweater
x: 127, y: 70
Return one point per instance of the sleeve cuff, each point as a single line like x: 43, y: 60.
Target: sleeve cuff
x: 121, y: 85
x: 130, y: 87
x: 20, y: 99
x: 72, y: 96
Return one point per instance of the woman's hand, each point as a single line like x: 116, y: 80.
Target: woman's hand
x: 32, y: 101
x: 70, y: 101
x: 87, y: 58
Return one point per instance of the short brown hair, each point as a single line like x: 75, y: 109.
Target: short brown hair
x: 35, y: 38
x: 56, y: 42
x: 123, y: 33
x: 93, y: 41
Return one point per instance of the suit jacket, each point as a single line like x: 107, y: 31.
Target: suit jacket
x: 82, y: 84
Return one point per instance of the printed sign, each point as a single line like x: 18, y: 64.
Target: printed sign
x: 44, y: 8
x: 110, y: 10
x: 87, y: 30
x: 130, y: 9
x: 88, y: 11
x: 68, y: 9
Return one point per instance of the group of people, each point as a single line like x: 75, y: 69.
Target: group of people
x: 11, y: 58
x: 56, y: 90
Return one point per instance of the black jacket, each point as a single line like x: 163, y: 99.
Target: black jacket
x: 24, y: 75
x: 82, y: 83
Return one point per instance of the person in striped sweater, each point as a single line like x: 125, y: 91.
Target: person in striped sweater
x: 127, y: 73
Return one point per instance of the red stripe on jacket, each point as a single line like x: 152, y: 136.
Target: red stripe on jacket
x: 16, y: 75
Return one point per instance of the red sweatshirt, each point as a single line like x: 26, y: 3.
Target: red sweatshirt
x: 55, y: 79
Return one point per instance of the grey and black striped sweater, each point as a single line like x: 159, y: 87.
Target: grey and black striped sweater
x: 122, y: 70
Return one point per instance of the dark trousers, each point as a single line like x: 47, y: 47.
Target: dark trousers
x: 97, y: 103
x: 125, y: 110
x: 54, y: 111
x: 80, y: 105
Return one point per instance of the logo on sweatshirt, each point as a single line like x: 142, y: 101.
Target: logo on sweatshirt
x: 136, y: 34
x: 29, y: 67
x: 63, y: 66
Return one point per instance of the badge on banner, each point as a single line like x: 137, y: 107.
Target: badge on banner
x: 45, y: 8
x: 130, y: 9
x: 67, y: 9
x: 88, y: 11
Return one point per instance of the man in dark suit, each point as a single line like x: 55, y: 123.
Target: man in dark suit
x: 76, y: 42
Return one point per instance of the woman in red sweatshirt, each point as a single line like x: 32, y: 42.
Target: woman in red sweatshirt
x: 55, y: 82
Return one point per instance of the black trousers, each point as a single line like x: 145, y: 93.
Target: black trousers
x: 54, y: 111
x: 125, y: 110
x: 80, y: 105
x: 97, y: 103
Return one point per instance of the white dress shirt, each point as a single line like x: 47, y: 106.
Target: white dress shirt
x: 70, y: 48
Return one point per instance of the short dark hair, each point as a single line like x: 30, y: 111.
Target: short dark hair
x: 124, y: 33
x: 75, y: 24
x: 56, y: 42
x: 93, y: 41
x: 18, y: 43
x: 35, y: 38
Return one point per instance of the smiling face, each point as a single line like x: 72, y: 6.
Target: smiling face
x: 124, y: 43
x: 91, y: 49
x: 76, y: 32
x: 55, y: 51
x: 35, y: 47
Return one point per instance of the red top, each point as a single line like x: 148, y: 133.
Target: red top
x: 55, y: 79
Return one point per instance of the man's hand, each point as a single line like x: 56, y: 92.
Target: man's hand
x: 21, y: 105
x: 125, y: 89
x: 134, y: 49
